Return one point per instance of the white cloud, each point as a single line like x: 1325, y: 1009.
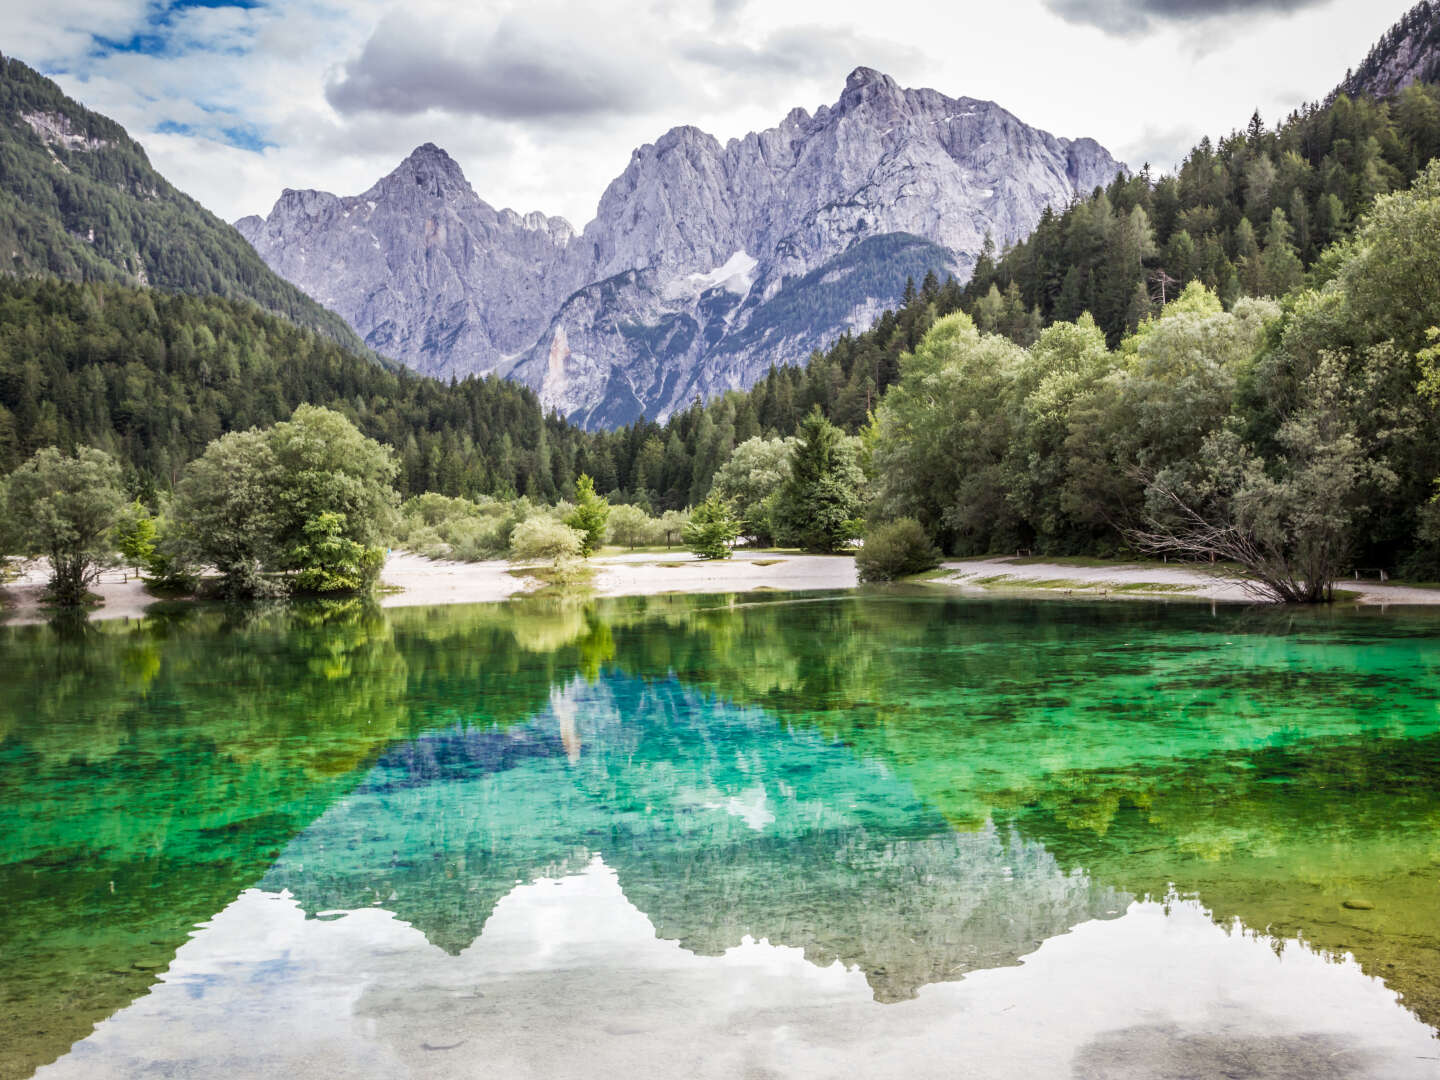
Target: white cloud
x: 542, y: 103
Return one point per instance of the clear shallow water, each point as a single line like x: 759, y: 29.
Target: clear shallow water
x: 902, y: 834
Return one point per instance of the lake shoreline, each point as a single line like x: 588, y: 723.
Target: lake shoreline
x: 411, y: 580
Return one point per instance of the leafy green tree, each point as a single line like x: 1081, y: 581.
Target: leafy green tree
x: 820, y: 502
x: 589, y: 516
x: 942, y: 436
x: 750, y: 481
x: 225, y: 514
x: 309, y: 497
x: 135, y: 535
x: 672, y: 525
x: 63, y: 507
x: 711, y: 530
x: 1280, y: 267
x: 630, y: 525
x: 1288, y: 520
x: 324, y: 465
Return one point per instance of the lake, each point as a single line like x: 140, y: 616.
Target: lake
x: 895, y: 833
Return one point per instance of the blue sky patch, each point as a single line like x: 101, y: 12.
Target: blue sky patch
x: 241, y: 135
x: 153, y: 39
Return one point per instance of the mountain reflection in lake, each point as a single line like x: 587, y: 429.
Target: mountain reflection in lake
x: 896, y: 833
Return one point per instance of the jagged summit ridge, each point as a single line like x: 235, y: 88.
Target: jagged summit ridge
x: 684, y: 283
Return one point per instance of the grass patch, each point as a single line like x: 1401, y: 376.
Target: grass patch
x: 671, y: 565
x: 1097, y: 563
x: 767, y: 562
x: 564, y: 576
x: 1011, y: 581
x: 1154, y: 587
x: 929, y: 575
x: 1053, y: 583
x: 1403, y: 582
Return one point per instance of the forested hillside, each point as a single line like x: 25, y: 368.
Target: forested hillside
x: 152, y: 377
x: 1246, y: 217
x: 79, y: 200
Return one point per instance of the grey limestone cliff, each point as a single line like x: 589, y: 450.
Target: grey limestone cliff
x: 705, y: 263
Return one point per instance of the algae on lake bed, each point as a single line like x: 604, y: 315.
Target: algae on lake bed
x: 917, y: 787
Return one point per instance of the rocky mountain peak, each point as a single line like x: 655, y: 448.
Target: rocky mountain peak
x: 433, y: 170
x: 862, y: 77
x: 866, y: 87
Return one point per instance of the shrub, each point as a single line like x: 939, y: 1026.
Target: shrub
x: 326, y: 560
x: 540, y: 538
x: 894, y: 549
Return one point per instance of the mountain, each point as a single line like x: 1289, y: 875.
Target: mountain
x: 80, y: 200
x: 705, y: 263
x: 1408, y: 53
x: 425, y: 269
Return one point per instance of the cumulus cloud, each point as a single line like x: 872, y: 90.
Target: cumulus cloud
x: 1129, y: 17
x: 798, y: 51
x: 522, y: 69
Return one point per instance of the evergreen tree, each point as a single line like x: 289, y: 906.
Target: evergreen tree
x: 589, y: 516
x: 819, y: 504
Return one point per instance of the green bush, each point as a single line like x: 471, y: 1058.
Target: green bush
x: 327, y: 561
x: 543, y: 539
x: 894, y: 549
x: 440, y: 527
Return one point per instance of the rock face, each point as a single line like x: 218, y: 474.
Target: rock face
x: 705, y: 263
x: 424, y: 269
x: 1408, y: 53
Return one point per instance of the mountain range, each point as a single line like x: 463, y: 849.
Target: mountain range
x: 706, y: 263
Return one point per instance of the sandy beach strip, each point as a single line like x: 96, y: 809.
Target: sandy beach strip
x: 411, y: 580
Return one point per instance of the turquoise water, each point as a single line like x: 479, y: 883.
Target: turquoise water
x: 771, y: 835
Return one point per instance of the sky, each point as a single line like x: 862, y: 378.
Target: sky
x: 541, y: 102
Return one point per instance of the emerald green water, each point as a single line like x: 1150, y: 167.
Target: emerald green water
x: 899, y: 834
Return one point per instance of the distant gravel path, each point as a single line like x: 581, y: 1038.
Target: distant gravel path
x: 1094, y: 579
